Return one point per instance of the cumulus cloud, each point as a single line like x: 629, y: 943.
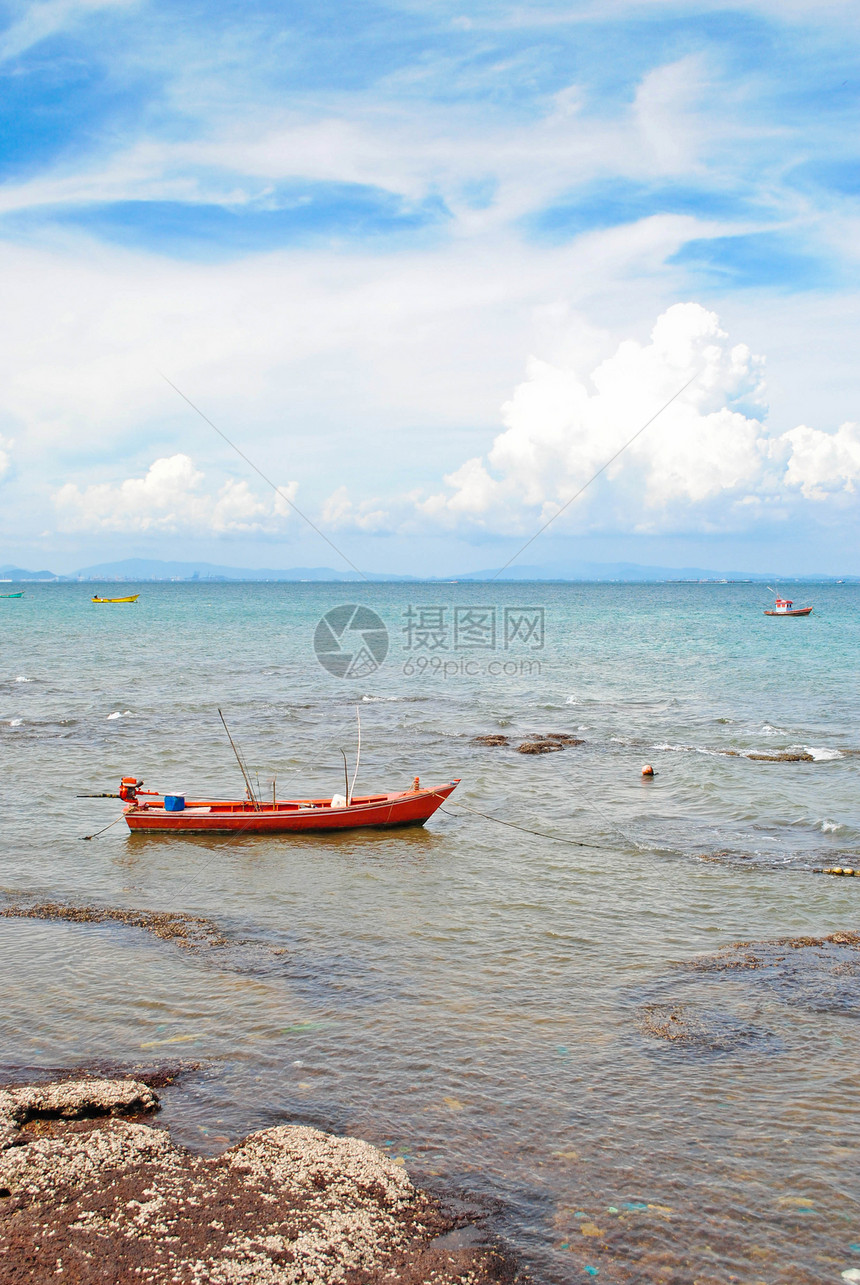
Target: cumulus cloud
x: 561, y: 428
x: 708, y: 460
x: 823, y: 463
x: 170, y: 498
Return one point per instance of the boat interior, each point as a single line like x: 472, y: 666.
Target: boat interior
x: 281, y: 805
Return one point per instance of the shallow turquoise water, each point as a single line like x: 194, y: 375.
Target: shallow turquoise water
x: 479, y: 999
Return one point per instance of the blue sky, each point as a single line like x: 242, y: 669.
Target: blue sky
x: 390, y: 248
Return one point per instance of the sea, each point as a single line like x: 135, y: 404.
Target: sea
x: 537, y: 1004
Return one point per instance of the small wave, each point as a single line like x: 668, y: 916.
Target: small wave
x: 118, y: 714
x: 793, y: 755
x: 685, y: 749
x: 21, y: 678
x: 571, y: 700
x: 375, y: 700
x: 767, y: 730
x: 830, y: 827
x: 15, y: 722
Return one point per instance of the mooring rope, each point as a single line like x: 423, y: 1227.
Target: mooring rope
x: 541, y: 834
x: 121, y: 817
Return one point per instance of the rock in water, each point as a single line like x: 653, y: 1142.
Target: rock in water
x: 112, y: 1200
x: 69, y: 1100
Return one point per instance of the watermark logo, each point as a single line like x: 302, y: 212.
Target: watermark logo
x: 440, y: 641
x: 351, y: 641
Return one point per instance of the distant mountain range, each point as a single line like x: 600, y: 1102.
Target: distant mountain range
x: 138, y: 569
x: 17, y: 573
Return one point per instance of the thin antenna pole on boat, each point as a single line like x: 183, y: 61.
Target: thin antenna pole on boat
x: 345, y: 776
x: 357, y: 757
x: 251, y: 795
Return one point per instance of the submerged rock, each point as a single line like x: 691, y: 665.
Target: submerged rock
x: 190, y: 931
x: 821, y: 974
x: 116, y: 1200
x: 536, y: 742
x: 768, y: 954
x: 700, y: 1030
x: 548, y: 743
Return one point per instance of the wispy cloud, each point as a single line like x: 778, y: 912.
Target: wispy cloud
x: 37, y: 22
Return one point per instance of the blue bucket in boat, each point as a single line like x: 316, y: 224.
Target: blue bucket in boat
x: 174, y: 802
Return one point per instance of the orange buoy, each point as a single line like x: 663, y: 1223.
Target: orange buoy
x: 647, y: 770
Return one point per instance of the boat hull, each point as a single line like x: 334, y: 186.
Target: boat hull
x: 133, y: 598
x: 380, y: 812
x: 795, y: 611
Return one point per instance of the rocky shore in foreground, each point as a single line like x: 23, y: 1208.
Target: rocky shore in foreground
x: 92, y: 1194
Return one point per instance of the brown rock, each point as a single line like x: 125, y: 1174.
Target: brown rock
x: 784, y: 756
x: 71, y: 1099
x: 548, y: 743
x: 118, y: 1201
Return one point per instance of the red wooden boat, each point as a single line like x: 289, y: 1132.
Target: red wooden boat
x: 785, y: 607
x: 150, y: 813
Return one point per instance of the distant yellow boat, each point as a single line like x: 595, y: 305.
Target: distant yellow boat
x: 133, y: 598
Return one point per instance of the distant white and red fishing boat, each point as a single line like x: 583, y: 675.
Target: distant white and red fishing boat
x: 148, y: 812
x: 785, y: 607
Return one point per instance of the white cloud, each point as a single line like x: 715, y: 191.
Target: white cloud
x: 707, y: 462
x: 5, y: 457
x: 332, y: 362
x: 670, y: 130
x: 823, y: 463
x: 562, y: 428
x: 341, y: 513
x: 170, y: 498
